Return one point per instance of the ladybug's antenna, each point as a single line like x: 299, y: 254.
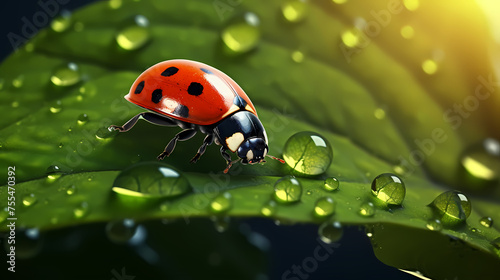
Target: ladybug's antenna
x: 278, y: 159
x: 230, y: 164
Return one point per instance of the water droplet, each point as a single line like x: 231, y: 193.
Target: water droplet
x: 330, y: 232
x: 411, y: 5
x: 434, y: 224
x: 56, y: 107
x: 496, y: 243
x: 407, y: 32
x: 389, y: 188
x: 60, y: 145
x: 82, y: 119
x: 298, y: 56
x: 452, y: 207
x: 134, y: 36
x: 367, y: 209
x: 104, y: 133
x: 221, y: 203
x: 28, y: 243
x: 61, y: 23
x: 352, y: 37
x: 269, y: 209
x: 29, y: 200
x: 324, y: 206
x: 331, y: 184
x: 287, y: 190
x: 294, y: 10
x: 308, y: 153
x: 53, y: 173
x: 66, y: 75
x: 151, y: 179
x: 486, y: 222
x: 309, y: 192
x: 379, y: 113
x: 430, y: 66
x: 121, y: 231
x: 18, y: 82
x: 81, y: 210
x: 70, y: 129
x: 242, y: 33
x: 339, y: 1
x: 71, y: 190
x: 481, y: 164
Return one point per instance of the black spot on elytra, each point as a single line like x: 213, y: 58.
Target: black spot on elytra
x: 139, y: 87
x: 170, y: 71
x: 181, y: 111
x: 195, y: 89
x: 206, y: 70
x: 156, y: 96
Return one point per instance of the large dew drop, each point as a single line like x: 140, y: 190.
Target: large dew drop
x: 134, y: 36
x: 486, y: 222
x: 367, y: 209
x: 324, y: 206
x: 151, y: 180
x: 389, y: 188
x: 269, y: 209
x: 331, y: 184
x: 452, y: 207
x: 330, y: 232
x: 287, y: 190
x: 66, y: 75
x: 308, y: 153
x: 221, y: 203
x: 481, y: 165
x: 242, y: 33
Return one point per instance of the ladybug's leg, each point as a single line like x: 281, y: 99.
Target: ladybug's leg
x: 227, y: 157
x: 150, y: 117
x: 207, y: 141
x: 184, y: 135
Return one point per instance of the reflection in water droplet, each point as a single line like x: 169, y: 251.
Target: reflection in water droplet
x: 287, y: 190
x: 434, y: 224
x: 221, y: 203
x: 298, y: 56
x: 121, y: 231
x: 430, y: 66
x: 56, y: 107
x: 29, y: 200
x: 379, y: 113
x: 294, y: 10
x: 66, y: 75
x: 308, y: 153
x: 324, y: 206
x: 367, y: 209
x: 389, y: 188
x: 411, y: 5
x: 486, y: 222
x: 61, y: 23
x: 81, y: 210
x: 330, y: 232
x: 151, y: 179
x: 104, y: 133
x: 242, y: 33
x: 481, y: 164
x: 53, y: 173
x: 407, y: 32
x: 82, y: 119
x: 269, y: 209
x: 452, y: 207
x: 135, y: 36
x: 331, y: 184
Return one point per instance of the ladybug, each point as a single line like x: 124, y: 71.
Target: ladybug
x: 196, y: 96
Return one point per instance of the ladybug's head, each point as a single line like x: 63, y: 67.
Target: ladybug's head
x: 253, y: 150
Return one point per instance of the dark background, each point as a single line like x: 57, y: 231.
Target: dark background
x: 290, y: 245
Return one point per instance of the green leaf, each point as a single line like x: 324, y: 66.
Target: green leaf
x: 373, y: 103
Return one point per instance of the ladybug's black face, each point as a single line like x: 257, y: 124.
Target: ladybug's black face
x: 253, y: 150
